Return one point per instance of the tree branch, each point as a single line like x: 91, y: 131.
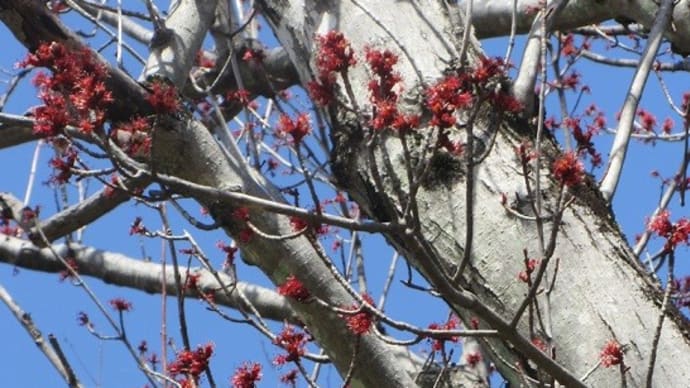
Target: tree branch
x: 55, y: 358
x: 120, y: 270
x: 632, y: 99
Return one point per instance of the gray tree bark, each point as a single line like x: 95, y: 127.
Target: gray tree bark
x: 600, y: 293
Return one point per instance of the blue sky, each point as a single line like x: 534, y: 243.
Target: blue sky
x: 54, y: 305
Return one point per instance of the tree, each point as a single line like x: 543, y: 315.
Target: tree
x: 444, y: 156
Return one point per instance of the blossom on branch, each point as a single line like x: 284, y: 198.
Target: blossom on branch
x: 568, y: 169
x: 611, y: 354
x: 293, y: 288
x: 120, y: 305
x: 191, y: 363
x: 75, y: 93
x: 360, y: 323
x: 246, y: 376
x: 674, y: 233
x: 163, y: 97
x: 292, y: 342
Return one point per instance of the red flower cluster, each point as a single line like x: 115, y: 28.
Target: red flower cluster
x: 229, y: 252
x: 473, y: 359
x: 335, y: 53
x: 361, y: 322
x: 383, y: 97
x: 568, y: 170
x: 525, y: 153
x: 134, y: 136
x: 66, y: 273
x: 445, y: 97
x: 458, y: 91
x: 292, y: 342
x: 163, y: 97
x: 321, y: 91
x: 293, y: 288
x: 490, y: 69
x: 584, y: 138
x: 191, y: 281
x: 75, y: 94
x: 570, y: 81
x: 335, y: 56
x: 611, y: 354
x: 505, y: 102
x: 668, y: 125
x: 137, y: 227
x: 191, y: 364
x: 487, y: 69
x: 568, y: 48
x: 568, y: 45
x: 143, y: 347
x: 530, y: 266
x: 246, y: 235
x: 685, y: 101
x: 255, y: 56
x: 290, y: 378
x: 647, y: 120
x: 203, y: 60
x: 63, y: 166
x: 381, y: 64
x: 297, y: 128
x: 451, y: 324
x: 299, y: 224
x: 674, y: 233
x: 120, y: 304
x: 246, y: 376
x: 241, y: 214
x: 7, y: 229
x: 241, y: 96
x: 109, y: 190
x: 539, y: 344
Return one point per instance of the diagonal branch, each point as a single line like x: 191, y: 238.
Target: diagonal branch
x: 82, y: 213
x: 54, y: 356
x: 123, y: 271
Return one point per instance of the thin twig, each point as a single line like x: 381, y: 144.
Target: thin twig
x: 662, y: 315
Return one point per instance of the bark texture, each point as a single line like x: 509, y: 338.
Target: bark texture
x: 599, y: 293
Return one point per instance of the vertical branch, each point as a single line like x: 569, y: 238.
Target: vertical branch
x: 513, y: 30
x: 555, y: 59
x: 466, y: 33
x: 662, y: 315
x: 32, y: 172
x: 184, y: 333
x: 527, y: 75
x: 624, y: 131
x: 164, y: 310
x: 388, y: 282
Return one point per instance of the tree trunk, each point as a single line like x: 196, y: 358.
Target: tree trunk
x: 599, y: 292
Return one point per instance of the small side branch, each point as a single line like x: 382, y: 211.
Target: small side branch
x: 53, y: 354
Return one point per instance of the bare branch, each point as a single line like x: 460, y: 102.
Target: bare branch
x: 627, y: 117
x: 59, y: 362
x: 145, y: 276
